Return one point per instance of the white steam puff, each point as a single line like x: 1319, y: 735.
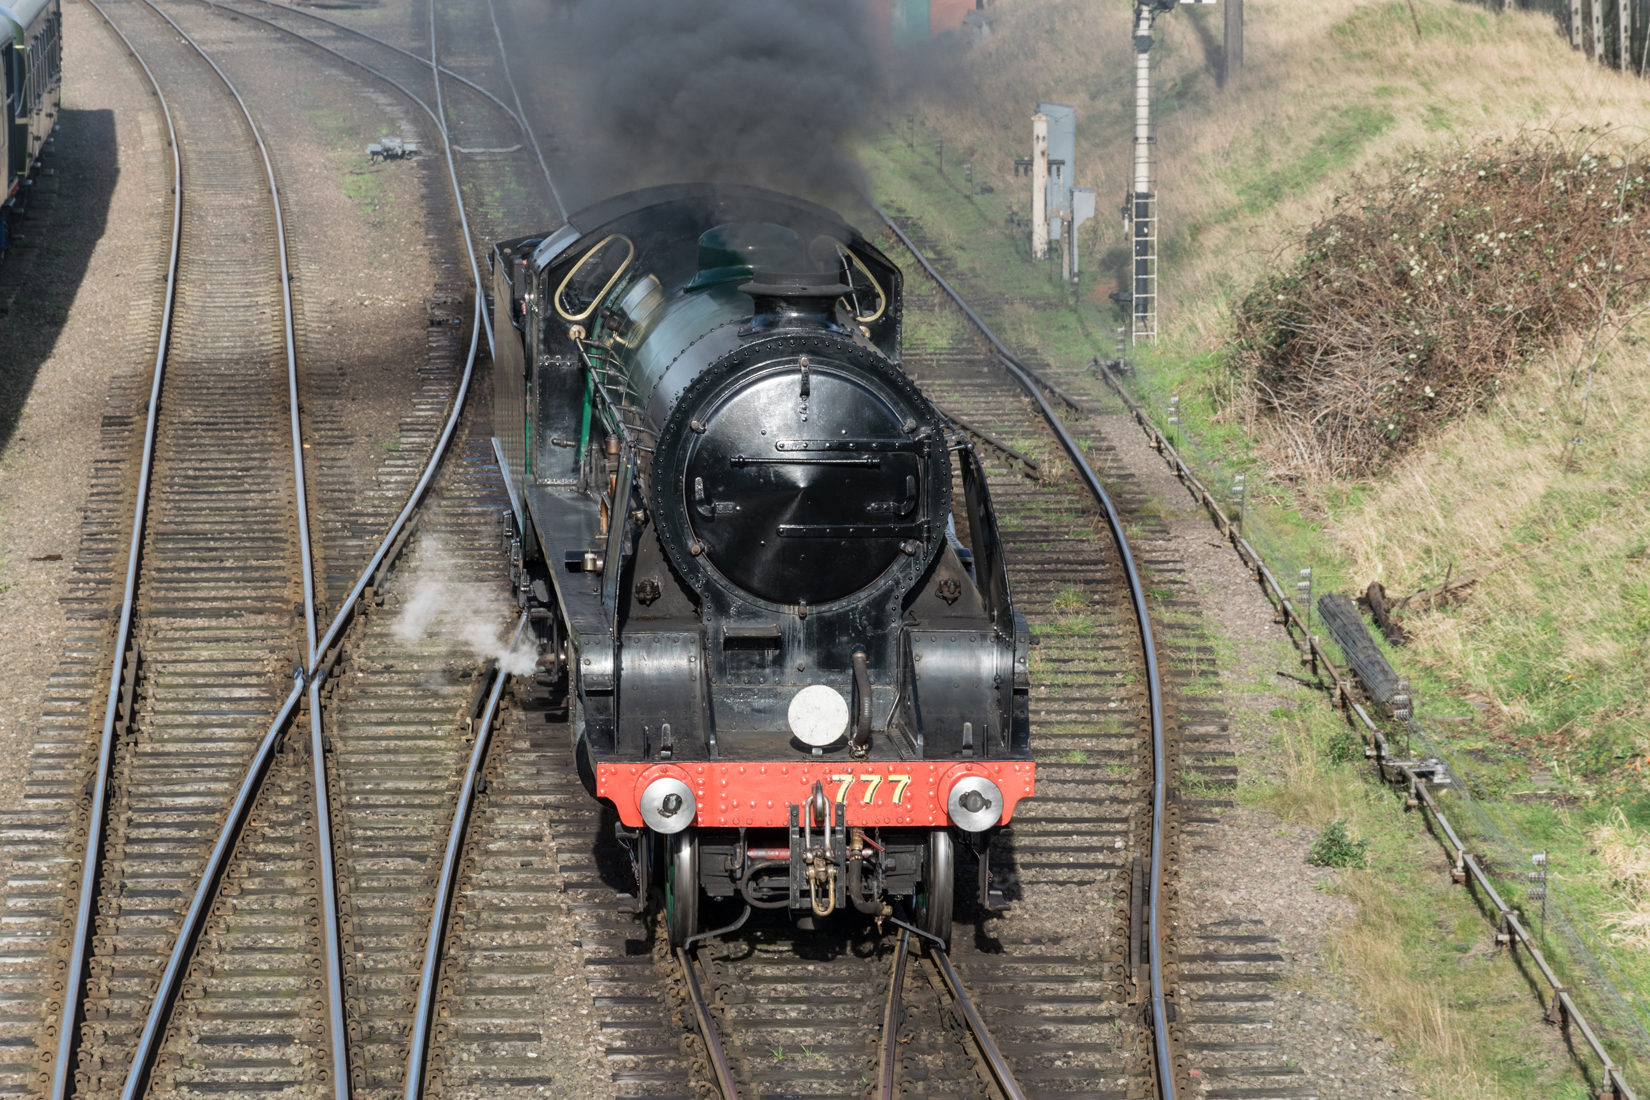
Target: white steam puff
x: 469, y: 614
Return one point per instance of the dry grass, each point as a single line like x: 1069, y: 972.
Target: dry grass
x: 1331, y: 87
x: 1558, y: 637
x: 1470, y: 75
x: 1626, y: 853
x: 1306, y: 788
x: 1411, y: 1009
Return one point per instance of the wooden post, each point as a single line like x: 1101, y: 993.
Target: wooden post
x: 1233, y: 53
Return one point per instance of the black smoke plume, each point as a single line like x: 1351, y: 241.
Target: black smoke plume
x: 764, y: 92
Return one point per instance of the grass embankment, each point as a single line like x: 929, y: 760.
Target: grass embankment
x: 1545, y: 658
x: 1428, y: 969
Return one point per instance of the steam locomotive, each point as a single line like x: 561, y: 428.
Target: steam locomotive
x: 791, y: 659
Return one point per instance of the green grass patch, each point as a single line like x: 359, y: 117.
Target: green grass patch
x: 364, y: 185
x: 1271, y: 178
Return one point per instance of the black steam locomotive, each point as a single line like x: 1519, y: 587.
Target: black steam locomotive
x: 792, y: 663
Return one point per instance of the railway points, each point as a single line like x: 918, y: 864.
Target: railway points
x: 192, y: 629
x: 1030, y: 1007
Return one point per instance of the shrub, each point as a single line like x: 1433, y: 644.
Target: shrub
x: 1345, y: 747
x: 1336, y: 848
x: 1410, y: 302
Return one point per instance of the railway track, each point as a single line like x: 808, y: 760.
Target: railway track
x: 208, y: 615
x: 1067, y: 1001
x: 506, y: 183
x: 1220, y: 974
x: 249, y: 991
x: 447, y: 996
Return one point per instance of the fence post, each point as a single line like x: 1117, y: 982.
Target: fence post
x: 1304, y: 588
x: 1538, y: 888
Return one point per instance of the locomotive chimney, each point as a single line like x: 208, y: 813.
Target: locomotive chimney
x: 788, y: 299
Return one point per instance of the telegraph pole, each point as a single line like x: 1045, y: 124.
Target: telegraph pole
x: 1140, y: 206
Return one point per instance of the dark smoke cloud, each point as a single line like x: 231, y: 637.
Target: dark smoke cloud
x: 752, y: 91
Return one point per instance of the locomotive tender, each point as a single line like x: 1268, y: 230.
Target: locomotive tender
x: 791, y: 659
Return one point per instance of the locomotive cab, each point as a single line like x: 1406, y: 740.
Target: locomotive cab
x: 766, y: 563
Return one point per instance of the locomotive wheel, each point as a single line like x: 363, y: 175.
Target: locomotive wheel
x: 682, y: 885
x: 938, y: 886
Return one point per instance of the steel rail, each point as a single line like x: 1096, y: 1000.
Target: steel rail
x: 152, y: 1035
x: 246, y: 794
x: 521, y: 112
x: 91, y: 863
x: 319, y: 18
x: 1029, y: 381
x: 1000, y: 1068
x: 452, y: 169
x: 347, y: 611
x: 889, y: 1048
x: 463, y: 220
x: 707, y: 1027
x: 424, y: 1011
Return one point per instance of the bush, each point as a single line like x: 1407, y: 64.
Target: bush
x: 1335, y: 848
x: 1345, y: 747
x: 1411, y: 302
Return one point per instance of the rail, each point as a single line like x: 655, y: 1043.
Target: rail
x: 447, y: 882
x: 1562, y: 1007
x: 68, y: 1026
x: 707, y: 1026
x: 310, y: 674
x: 976, y: 1027
x: 480, y: 314
x: 1001, y: 1071
x: 518, y: 116
x: 150, y: 1038
x: 1033, y: 385
x: 521, y: 112
x: 345, y: 27
x: 891, y: 1015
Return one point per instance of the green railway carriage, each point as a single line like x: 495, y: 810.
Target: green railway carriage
x: 31, y: 68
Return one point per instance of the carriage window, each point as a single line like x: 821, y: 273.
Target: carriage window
x: 592, y: 277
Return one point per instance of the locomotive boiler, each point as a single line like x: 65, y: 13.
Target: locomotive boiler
x: 761, y: 563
